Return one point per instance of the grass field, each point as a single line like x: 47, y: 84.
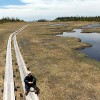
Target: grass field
x: 62, y: 72
x: 91, y: 30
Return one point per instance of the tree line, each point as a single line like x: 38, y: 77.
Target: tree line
x: 7, y: 19
x: 96, y: 18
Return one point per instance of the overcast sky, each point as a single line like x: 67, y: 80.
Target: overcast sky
x: 48, y: 9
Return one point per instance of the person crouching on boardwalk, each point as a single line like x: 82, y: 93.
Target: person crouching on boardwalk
x: 30, y: 82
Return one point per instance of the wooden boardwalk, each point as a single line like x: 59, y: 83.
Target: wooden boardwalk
x: 8, y: 93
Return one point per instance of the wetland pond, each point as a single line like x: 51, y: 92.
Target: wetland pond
x: 91, y: 38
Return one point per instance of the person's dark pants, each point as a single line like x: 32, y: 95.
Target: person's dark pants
x: 27, y: 88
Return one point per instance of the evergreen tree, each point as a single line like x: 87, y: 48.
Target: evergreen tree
x: 7, y: 19
x: 78, y: 18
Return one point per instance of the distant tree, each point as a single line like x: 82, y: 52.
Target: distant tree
x: 78, y: 18
x: 7, y: 19
x: 42, y: 20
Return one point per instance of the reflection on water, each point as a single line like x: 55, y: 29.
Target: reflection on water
x: 92, y: 38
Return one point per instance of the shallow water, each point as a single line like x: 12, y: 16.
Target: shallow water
x: 91, y: 38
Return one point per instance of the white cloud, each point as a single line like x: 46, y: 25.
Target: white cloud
x: 35, y: 9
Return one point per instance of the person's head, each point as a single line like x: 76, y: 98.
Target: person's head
x: 29, y: 73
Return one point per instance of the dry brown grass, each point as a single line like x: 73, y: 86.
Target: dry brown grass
x: 62, y: 73
x: 19, y: 92
x: 91, y: 30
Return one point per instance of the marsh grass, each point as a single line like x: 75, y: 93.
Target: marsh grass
x: 19, y: 93
x: 62, y: 72
x: 91, y: 30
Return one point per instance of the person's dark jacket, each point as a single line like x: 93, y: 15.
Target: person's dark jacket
x: 30, y: 79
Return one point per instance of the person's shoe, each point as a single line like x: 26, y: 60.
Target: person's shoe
x: 37, y: 91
